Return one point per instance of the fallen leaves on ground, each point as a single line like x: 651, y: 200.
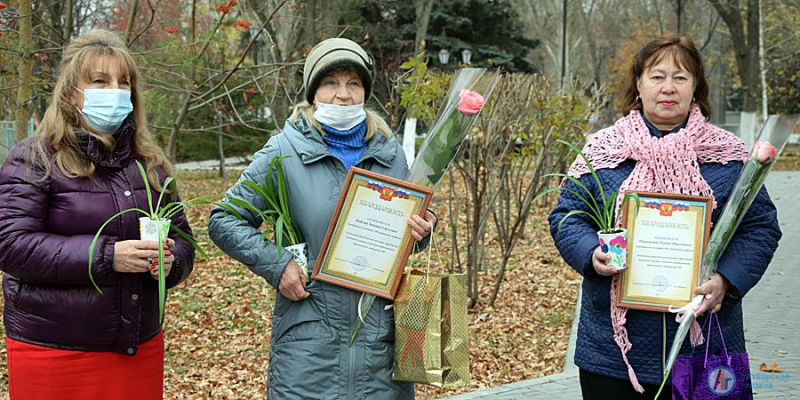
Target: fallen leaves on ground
x: 789, y: 159
x: 218, y: 321
x: 774, y: 367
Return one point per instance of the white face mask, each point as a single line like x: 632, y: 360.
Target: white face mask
x: 341, y: 118
x: 104, y: 110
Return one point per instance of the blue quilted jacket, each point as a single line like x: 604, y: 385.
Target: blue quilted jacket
x: 742, y: 264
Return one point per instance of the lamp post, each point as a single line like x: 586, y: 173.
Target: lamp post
x: 444, y: 56
x: 466, y: 56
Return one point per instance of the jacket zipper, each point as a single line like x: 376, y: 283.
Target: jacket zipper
x: 352, y: 353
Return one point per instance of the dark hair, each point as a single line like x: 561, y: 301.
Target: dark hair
x: 685, y: 55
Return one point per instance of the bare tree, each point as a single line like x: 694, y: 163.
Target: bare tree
x: 745, y: 42
x: 423, y: 10
x: 557, y: 114
x: 194, y: 99
x: 66, y: 33
x: 296, y: 28
x: 24, y: 69
x: 134, y: 8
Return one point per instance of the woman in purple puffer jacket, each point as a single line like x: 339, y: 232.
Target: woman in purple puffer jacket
x: 64, y: 339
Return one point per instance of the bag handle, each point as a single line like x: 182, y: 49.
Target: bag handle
x: 708, y: 339
x: 722, y: 338
x: 431, y: 245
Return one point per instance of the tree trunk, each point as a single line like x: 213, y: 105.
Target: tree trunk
x: 745, y: 45
x: 66, y: 34
x: 24, y: 70
x: 176, y: 126
x: 221, y: 156
x: 761, y: 63
x: 753, y: 70
x: 562, y: 76
x: 286, y: 44
x: 134, y: 7
x: 221, y: 119
x: 423, y: 10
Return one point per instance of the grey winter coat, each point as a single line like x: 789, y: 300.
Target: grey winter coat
x: 309, y: 354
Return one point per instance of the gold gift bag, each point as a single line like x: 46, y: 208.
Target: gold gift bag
x: 431, y: 332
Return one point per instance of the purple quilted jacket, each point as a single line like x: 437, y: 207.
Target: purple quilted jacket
x: 45, y: 231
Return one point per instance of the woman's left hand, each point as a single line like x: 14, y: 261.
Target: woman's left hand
x: 420, y: 228
x: 168, y: 260
x: 714, y: 291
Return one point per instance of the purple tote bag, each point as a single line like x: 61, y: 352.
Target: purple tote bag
x: 712, y: 376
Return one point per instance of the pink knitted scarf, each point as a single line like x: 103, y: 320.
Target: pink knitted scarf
x: 663, y: 165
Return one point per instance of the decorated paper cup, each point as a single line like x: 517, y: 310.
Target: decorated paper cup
x: 616, y: 245
x: 148, y: 229
x: 300, y: 255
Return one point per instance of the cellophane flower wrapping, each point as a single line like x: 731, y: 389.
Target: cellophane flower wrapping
x: 763, y: 155
x: 765, y: 152
x: 452, y: 125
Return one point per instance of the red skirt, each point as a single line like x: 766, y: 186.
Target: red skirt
x: 43, y: 373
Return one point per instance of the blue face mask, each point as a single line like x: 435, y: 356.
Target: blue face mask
x: 104, y: 110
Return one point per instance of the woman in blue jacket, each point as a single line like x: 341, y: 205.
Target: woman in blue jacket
x: 662, y: 144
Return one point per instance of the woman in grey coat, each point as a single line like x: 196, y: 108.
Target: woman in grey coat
x: 310, y: 355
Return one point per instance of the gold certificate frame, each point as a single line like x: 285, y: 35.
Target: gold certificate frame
x: 665, y: 247
x: 368, y: 240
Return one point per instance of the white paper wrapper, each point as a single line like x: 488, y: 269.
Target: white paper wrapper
x: 148, y: 229
x: 615, y: 244
x: 300, y: 255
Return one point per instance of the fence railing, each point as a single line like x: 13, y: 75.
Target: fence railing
x: 8, y: 137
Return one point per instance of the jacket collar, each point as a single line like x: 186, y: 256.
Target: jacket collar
x: 308, y: 143
x: 658, y: 132
x: 98, y: 154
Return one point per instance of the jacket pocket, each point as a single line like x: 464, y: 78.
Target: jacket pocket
x: 304, y: 369
x: 597, y: 292
x: 386, y: 323
x: 300, y: 320
x: 11, y: 289
x: 376, y: 382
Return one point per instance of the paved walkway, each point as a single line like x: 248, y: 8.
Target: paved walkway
x: 238, y: 163
x: 771, y: 314
x: 772, y: 308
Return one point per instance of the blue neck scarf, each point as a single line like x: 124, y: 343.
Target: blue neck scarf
x: 347, y: 145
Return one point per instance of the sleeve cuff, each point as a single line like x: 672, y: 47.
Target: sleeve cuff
x: 584, y: 249
x: 736, y: 274
x: 274, y: 274
x: 108, y: 257
x: 423, y: 244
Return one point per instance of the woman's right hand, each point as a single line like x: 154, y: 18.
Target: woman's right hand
x: 132, y: 256
x: 293, y: 282
x: 599, y: 259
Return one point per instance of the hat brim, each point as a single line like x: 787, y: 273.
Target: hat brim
x: 343, y: 62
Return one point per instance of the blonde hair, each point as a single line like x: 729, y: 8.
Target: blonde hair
x: 57, y: 127
x: 374, y: 121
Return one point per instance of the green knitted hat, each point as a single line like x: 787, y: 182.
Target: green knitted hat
x: 333, y: 53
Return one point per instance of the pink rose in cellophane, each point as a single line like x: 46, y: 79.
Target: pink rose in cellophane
x: 764, y: 152
x: 471, y: 102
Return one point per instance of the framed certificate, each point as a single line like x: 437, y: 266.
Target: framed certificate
x: 665, y: 247
x: 368, y: 239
